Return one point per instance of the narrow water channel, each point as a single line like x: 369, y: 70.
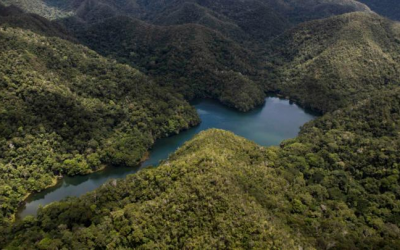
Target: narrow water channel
x: 268, y: 125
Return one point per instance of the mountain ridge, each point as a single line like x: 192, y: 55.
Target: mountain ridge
x: 67, y: 110
x: 337, y: 58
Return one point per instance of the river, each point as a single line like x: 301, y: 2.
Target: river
x: 275, y: 121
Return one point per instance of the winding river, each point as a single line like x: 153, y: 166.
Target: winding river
x: 268, y: 125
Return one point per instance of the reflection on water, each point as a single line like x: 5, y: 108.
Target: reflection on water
x: 268, y: 125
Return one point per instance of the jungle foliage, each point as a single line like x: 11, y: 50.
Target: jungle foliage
x: 68, y: 110
x: 65, y: 110
x: 194, y: 60
x: 335, y: 62
x: 336, y: 186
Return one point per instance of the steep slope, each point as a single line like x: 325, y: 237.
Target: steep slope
x: 334, y: 62
x: 254, y: 18
x: 191, y: 12
x: 65, y: 110
x: 251, y: 20
x: 197, y: 61
x: 336, y: 186
x: 387, y: 8
x: 259, y: 20
x: 298, y: 11
x: 202, y: 47
x: 41, y: 7
x: 190, y: 202
x: 15, y: 17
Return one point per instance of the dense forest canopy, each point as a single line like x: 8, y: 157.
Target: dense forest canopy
x: 67, y: 110
x: 202, y: 48
x: 335, y: 186
x: 341, y: 59
x: 86, y: 84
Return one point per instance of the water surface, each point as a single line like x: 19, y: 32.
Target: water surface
x: 268, y: 125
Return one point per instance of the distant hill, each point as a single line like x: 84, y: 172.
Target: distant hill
x: 203, y: 48
x: 298, y: 11
x: 334, y: 62
x: 194, y: 59
x: 258, y: 19
x: 48, y: 9
x: 68, y: 110
x: 15, y: 17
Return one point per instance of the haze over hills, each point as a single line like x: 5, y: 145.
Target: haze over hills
x: 387, y: 8
x: 259, y: 19
x: 103, y: 80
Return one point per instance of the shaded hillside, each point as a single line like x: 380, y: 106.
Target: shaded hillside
x: 331, y: 63
x: 15, y: 17
x: 251, y: 20
x: 297, y: 11
x: 257, y: 20
x: 65, y: 110
x: 336, y: 186
x: 201, y: 47
x: 41, y: 7
x: 265, y: 19
x: 195, y: 60
x: 387, y: 8
x: 191, y: 12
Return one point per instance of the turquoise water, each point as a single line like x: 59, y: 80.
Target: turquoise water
x: 268, y: 125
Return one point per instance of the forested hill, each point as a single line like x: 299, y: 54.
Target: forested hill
x: 15, y: 17
x: 258, y: 19
x: 334, y: 62
x: 201, y: 48
x: 336, y: 186
x: 65, y: 110
x: 197, y: 61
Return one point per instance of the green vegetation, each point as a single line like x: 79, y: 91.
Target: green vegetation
x: 256, y: 19
x: 189, y: 202
x: 250, y: 23
x: 194, y: 60
x: 40, y: 7
x: 203, y: 48
x: 336, y: 186
x: 332, y: 63
x: 15, y: 17
x: 66, y: 110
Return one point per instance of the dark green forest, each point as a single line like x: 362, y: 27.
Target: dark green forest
x: 335, y: 186
x: 87, y: 84
x: 192, y: 59
x: 332, y: 63
x: 66, y: 110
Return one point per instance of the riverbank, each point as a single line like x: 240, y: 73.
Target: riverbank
x: 269, y: 125
x: 57, y: 181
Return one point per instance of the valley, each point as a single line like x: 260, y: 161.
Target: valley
x: 89, y: 87
x: 269, y: 125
